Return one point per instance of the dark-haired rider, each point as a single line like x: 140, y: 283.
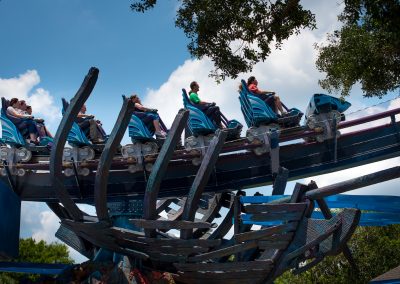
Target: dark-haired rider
x: 210, y: 109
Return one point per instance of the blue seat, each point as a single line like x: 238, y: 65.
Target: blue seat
x: 254, y: 110
x: 321, y: 103
x: 198, y: 123
x: 138, y: 131
x: 76, y: 137
x: 10, y: 133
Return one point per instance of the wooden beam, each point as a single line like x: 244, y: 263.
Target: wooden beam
x: 60, y: 138
x: 103, y: 168
x: 223, y: 252
x: 167, y: 224
x: 160, y: 167
x: 201, y: 179
x: 266, y: 232
x: 226, y: 267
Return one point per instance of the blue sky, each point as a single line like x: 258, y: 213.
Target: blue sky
x: 47, y: 47
x: 63, y: 39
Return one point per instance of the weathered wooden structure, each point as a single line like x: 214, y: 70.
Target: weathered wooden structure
x: 167, y: 215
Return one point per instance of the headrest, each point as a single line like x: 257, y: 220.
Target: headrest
x: 244, y: 85
x: 65, y: 104
x: 185, y: 96
x: 4, y: 103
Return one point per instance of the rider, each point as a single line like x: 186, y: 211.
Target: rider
x: 42, y: 129
x: 22, y: 121
x: 210, y: 109
x: 269, y: 97
x: 148, y: 115
x: 89, y: 125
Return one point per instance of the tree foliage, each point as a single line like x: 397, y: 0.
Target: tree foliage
x: 236, y: 34
x: 365, y: 50
x: 37, y: 252
x: 375, y: 249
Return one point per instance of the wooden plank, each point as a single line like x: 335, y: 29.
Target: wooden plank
x: 167, y: 224
x: 160, y: 167
x: 103, y: 168
x: 208, y: 216
x: 164, y: 257
x: 177, y: 214
x: 163, y: 204
x: 124, y: 233
x: 59, y: 210
x: 60, y: 138
x: 223, y: 252
x: 140, y: 237
x: 129, y: 244
x: 90, y: 232
x: 267, y: 245
x: 226, y: 267
x: 160, y: 248
x: 182, y: 243
x: 176, y: 250
x: 225, y: 225
x: 278, y: 237
x: 201, y: 179
x: 275, y: 208
x: 262, y: 233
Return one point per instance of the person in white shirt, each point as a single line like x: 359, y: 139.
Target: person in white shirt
x: 22, y: 120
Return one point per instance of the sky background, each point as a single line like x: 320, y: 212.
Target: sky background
x: 47, y: 47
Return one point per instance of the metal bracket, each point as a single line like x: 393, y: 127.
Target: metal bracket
x: 137, y: 151
x: 200, y: 144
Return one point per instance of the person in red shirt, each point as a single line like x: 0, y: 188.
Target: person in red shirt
x: 269, y: 97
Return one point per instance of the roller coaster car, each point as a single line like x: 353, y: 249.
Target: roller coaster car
x: 19, y: 150
x: 76, y: 137
x: 143, y: 142
x: 321, y: 103
x: 82, y: 149
x: 200, y: 124
x: 323, y: 114
x: 256, y: 112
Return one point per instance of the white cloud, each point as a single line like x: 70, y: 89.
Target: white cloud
x: 23, y: 87
x: 49, y: 224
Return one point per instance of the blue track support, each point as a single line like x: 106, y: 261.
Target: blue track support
x: 377, y: 210
x: 10, y: 212
x: 33, y: 268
